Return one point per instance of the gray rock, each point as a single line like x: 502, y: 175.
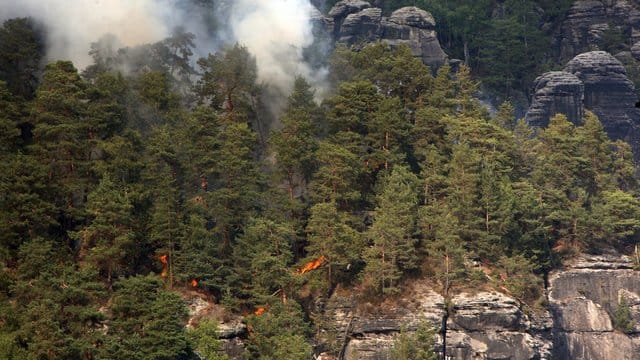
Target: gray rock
x: 415, y: 27
x: 414, y: 17
x: 361, y: 27
x: 594, y: 81
x: 581, y: 298
x: 635, y: 51
x: 345, y: 7
x: 556, y: 92
x: 609, y: 94
x: 482, y: 326
x: 587, y: 20
x: 494, y: 326
x: 356, y: 23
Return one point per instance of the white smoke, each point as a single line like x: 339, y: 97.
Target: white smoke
x: 72, y: 25
x: 274, y: 31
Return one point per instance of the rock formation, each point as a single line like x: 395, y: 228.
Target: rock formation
x: 635, y: 51
x: 356, y: 22
x: 486, y: 325
x: 601, y: 82
x: 609, y: 94
x: 587, y: 21
x: 556, y: 92
x: 582, y: 299
x: 577, y: 323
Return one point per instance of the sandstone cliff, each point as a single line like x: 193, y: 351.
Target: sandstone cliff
x: 588, y: 20
x: 594, y: 81
x: 577, y: 321
x: 357, y: 22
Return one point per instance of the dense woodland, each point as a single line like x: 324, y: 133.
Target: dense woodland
x: 121, y: 189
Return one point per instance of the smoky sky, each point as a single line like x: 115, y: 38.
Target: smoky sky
x: 274, y: 31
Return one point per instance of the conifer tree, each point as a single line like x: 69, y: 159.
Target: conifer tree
x: 393, y: 248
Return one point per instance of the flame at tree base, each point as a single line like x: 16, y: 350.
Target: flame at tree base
x: 312, y: 265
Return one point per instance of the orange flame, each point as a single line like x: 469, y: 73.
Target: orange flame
x: 259, y: 311
x: 312, y: 265
x: 194, y: 283
x: 163, y: 260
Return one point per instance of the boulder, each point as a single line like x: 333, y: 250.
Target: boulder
x: 556, y: 92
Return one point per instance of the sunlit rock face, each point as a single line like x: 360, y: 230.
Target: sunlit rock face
x: 582, y: 299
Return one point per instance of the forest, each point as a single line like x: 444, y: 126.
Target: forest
x: 121, y: 190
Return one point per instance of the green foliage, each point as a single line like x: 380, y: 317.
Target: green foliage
x: 392, y: 248
x: 622, y: 320
x: 22, y: 48
x: 399, y: 173
x: 517, y: 275
x: 279, y: 333
x: 205, y: 341
x: 147, y: 322
x: 416, y: 346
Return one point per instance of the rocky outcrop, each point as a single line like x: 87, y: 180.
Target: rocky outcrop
x: 356, y: 22
x: 582, y: 299
x: 588, y: 20
x: 486, y: 325
x: 594, y: 81
x: 609, y: 94
x: 556, y: 92
x: 635, y: 51
x: 494, y: 326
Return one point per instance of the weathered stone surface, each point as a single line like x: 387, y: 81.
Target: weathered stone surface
x: 482, y: 326
x: 415, y: 28
x: 594, y: 81
x: 556, y: 92
x: 345, y: 7
x: 581, y: 298
x: 361, y: 27
x: 635, y: 51
x: 494, y: 326
x: 587, y: 20
x: 356, y: 22
x: 609, y: 94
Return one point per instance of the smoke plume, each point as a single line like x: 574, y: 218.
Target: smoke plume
x: 275, y: 31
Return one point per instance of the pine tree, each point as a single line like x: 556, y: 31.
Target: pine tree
x: 393, y: 248
x: 330, y: 235
x: 109, y: 240
x: 295, y: 143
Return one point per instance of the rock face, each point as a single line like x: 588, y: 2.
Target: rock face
x: 494, y: 326
x: 635, y: 51
x: 581, y: 299
x: 594, y: 81
x: 556, y: 92
x: 356, y: 22
x: 608, y: 93
x: 587, y: 21
x: 481, y: 326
